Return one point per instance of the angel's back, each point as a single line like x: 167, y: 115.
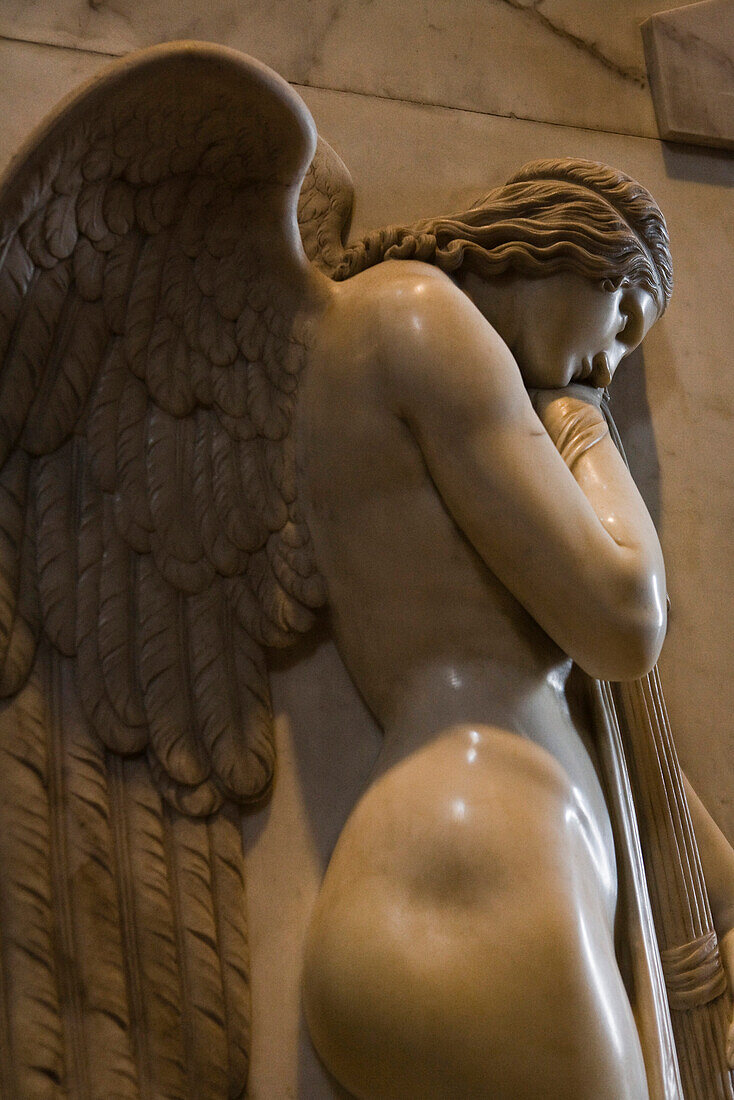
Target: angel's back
x: 429, y: 898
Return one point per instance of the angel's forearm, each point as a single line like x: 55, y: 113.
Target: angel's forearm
x: 578, y: 429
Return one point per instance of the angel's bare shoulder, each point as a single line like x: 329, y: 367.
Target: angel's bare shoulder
x: 399, y: 295
x: 424, y: 339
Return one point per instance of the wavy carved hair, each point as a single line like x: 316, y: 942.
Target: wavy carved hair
x: 552, y: 215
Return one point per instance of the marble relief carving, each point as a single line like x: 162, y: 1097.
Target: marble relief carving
x: 209, y: 434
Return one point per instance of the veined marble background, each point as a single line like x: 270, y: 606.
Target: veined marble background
x: 430, y: 104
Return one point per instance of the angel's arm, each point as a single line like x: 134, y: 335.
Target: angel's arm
x: 579, y: 550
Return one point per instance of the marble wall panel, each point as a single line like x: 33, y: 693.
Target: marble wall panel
x: 674, y: 406
x: 578, y: 62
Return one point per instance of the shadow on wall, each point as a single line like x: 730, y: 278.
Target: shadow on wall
x: 335, y: 739
x: 697, y: 164
x: 631, y: 412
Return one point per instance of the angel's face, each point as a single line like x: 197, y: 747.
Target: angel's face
x: 566, y: 328
x: 570, y: 329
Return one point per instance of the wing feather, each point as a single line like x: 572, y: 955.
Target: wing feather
x: 244, y: 527
x: 103, y: 416
x: 232, y: 696
x: 287, y: 613
x: 55, y: 491
x: 201, y: 969
x: 226, y: 557
x: 257, y: 485
x: 17, y: 275
x: 169, y: 375
x: 199, y: 800
x: 164, y: 676
x: 175, y: 541
x: 89, y: 270
x: 89, y: 947
x: 19, y: 615
x: 74, y: 360
x: 142, y: 304
x: 132, y: 510
x: 119, y: 272
x: 29, y: 348
x: 325, y: 208
x: 228, y: 892
x: 230, y: 391
x: 117, y: 634
x: 90, y: 211
x: 60, y: 229
x: 270, y: 409
x: 116, y: 734
x: 153, y: 938
x: 33, y: 235
x: 33, y: 1036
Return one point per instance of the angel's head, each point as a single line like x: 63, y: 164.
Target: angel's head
x: 575, y: 254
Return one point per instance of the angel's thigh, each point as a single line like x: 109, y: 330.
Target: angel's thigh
x: 474, y: 962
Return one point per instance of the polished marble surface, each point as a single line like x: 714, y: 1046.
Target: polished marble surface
x: 577, y: 62
x: 409, y: 161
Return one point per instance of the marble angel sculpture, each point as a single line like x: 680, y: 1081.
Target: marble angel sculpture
x: 180, y: 489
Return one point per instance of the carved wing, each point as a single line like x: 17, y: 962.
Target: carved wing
x: 154, y: 309
x: 325, y: 208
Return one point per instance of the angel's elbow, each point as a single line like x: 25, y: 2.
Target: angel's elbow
x: 632, y: 637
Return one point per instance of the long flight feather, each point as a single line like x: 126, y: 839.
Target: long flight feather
x: 154, y: 962
x: 90, y: 957
x: 201, y: 971
x: 230, y: 902
x: 31, y: 1017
